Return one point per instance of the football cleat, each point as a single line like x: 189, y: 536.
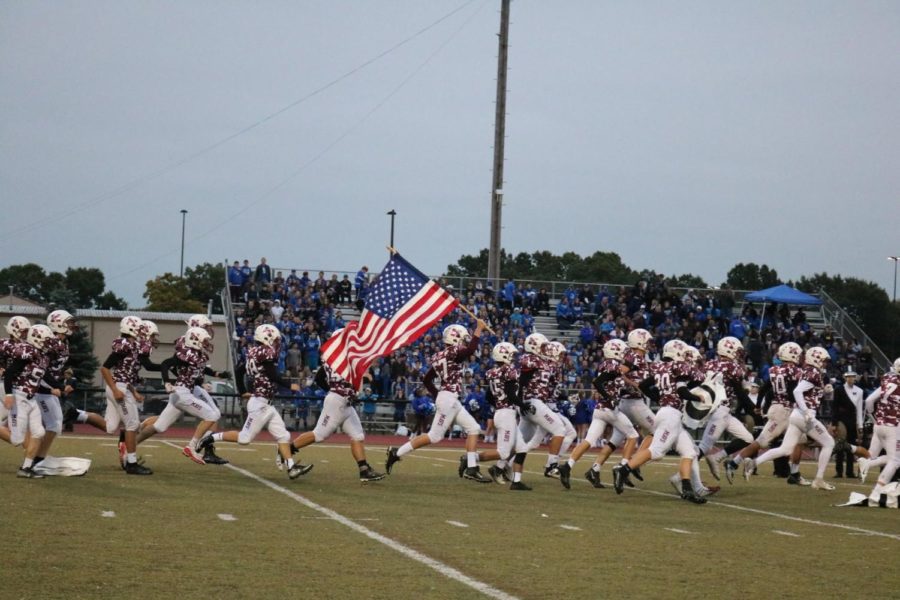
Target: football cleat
x: 463, y: 465
x: 619, y: 477
x: 594, y: 477
x: 797, y: 479
x: 498, y: 475
x: 637, y: 475
x: 749, y: 468
x: 28, y: 473
x: 298, y: 469
x: 392, y: 459
x: 713, y: 465
x: 205, y: 442
x: 710, y: 490
x: 474, y: 473
x: 136, y: 469
x: 518, y: 486
x: 192, y: 454
x: 863, y: 469
x: 675, y: 480
x: 211, y: 458
x: 821, y: 484
x: 369, y: 474
x: 552, y: 471
x: 692, y: 497
x: 565, y: 475
x: 70, y: 414
x: 730, y: 470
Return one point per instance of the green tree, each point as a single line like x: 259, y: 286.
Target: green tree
x: 170, y: 293
x: 751, y: 276
x: 88, y: 284
x: 109, y: 301
x: 205, y: 282
x: 29, y: 281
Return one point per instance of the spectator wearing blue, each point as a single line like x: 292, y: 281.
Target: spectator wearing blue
x: 235, y: 281
x: 246, y: 272
x: 737, y: 328
x: 509, y: 294
x: 423, y: 408
x: 301, y: 409
x: 586, y: 334
x: 311, y: 346
x: 292, y: 279
x: 304, y: 280
x: 577, y: 311
x: 368, y: 400
x: 360, y: 284
x: 564, y: 316
x: 515, y: 319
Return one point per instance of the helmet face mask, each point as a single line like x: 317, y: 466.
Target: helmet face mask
x: 150, y: 332
x: 615, y: 350
x: 730, y: 347
x: 17, y: 328
x: 553, y: 351
x: 62, y: 322
x: 455, y: 335
x: 198, y: 338
x: 534, y: 342
x: 504, y: 353
x: 39, y: 335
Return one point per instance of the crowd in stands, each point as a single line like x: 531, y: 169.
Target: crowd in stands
x: 308, y: 310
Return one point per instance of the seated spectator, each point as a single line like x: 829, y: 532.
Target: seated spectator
x: 564, y: 316
x: 345, y: 289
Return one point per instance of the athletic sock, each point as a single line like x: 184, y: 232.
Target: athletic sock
x: 26, y: 464
x: 795, y: 468
x: 571, y: 462
x: 471, y: 459
x: 552, y: 459
x: 193, y: 443
x: 404, y: 449
x: 82, y: 417
x: 217, y: 437
x: 596, y: 467
x: 362, y: 464
x: 131, y: 458
x: 517, y: 476
x: 624, y: 461
x: 290, y: 463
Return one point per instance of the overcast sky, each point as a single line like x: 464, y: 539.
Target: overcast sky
x: 685, y: 136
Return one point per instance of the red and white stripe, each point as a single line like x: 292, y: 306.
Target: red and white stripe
x: 350, y: 353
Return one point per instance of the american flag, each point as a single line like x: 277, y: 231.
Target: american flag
x: 401, y: 305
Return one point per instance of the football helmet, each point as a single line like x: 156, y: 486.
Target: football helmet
x: 897, y: 366
x: 615, y: 349
x: 639, y: 339
x: 729, y: 347
x: 790, y: 352
x: 817, y: 356
x: 202, y: 321
x: 504, y: 353
x: 39, y: 335
x: 130, y: 325
x: 149, y: 331
x: 691, y: 354
x: 61, y: 321
x: 17, y: 328
x: 675, y: 350
x: 455, y: 335
x: 553, y: 351
x: 534, y: 342
x: 197, y: 338
x: 267, y: 335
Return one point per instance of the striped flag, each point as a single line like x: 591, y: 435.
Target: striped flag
x: 401, y: 306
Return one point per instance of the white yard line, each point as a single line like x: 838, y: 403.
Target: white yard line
x: 108, y: 514
x: 672, y: 529
x: 227, y: 517
x: 457, y: 524
x: 443, y: 569
x: 570, y: 527
x: 787, y: 533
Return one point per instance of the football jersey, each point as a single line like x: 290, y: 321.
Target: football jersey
x: 57, y: 351
x: 36, y: 363
x: 732, y: 377
x: 260, y: 384
x: 6, y: 348
x: 639, y: 370
x: 612, y: 388
x: 887, y: 409
x: 497, y: 379
x: 784, y: 379
x: 338, y: 384
x: 449, y: 364
x: 666, y: 375
x: 191, y: 367
x: 539, y: 386
x: 126, y: 370
x: 813, y: 396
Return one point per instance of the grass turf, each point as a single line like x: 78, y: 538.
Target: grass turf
x: 167, y: 537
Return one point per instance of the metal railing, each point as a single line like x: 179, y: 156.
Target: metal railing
x: 845, y: 327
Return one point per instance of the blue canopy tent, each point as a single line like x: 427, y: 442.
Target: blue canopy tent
x: 784, y: 294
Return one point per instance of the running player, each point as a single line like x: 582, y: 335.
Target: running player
x: 504, y: 395
x: 17, y: 328
x: 632, y: 404
x: 884, y: 403
x: 62, y: 324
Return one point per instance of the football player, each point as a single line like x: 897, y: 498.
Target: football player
x: 609, y: 385
x: 17, y: 328
x: 729, y: 362
x: 199, y: 390
x: 537, y: 418
x: 261, y: 367
x: 884, y: 403
x: 62, y: 324
x: 448, y: 364
x: 555, y: 353
x: 669, y: 384
x: 22, y: 381
x: 338, y: 411
x: 783, y: 378
x: 504, y: 395
x: 807, y: 395
x: 632, y: 403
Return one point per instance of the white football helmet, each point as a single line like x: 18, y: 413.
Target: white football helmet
x: 149, y: 331
x: 17, y: 327
x: 790, y: 352
x: 130, y: 325
x: 639, y: 339
x: 39, y: 335
x: 455, y: 335
x: 534, y: 342
x: 202, y: 321
x: 267, y: 335
x: 61, y: 321
x: 729, y: 347
x: 198, y: 338
x: 675, y: 350
x: 691, y: 354
x: 553, y: 351
x: 615, y: 349
x: 897, y: 366
x: 817, y: 356
x: 504, y: 353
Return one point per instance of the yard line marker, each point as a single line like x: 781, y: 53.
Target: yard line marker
x: 226, y: 517
x: 571, y: 527
x: 108, y: 513
x: 789, y: 534
x: 457, y: 524
x: 678, y: 530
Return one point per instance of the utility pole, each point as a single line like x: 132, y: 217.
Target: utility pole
x: 183, y: 217
x: 392, y: 213
x: 499, y: 140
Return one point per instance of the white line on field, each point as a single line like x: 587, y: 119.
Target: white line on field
x: 570, y: 527
x: 227, y: 517
x: 787, y: 533
x: 457, y: 524
x: 108, y: 513
x: 678, y: 530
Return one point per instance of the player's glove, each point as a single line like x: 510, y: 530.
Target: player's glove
x: 529, y: 408
x: 809, y: 415
x: 170, y: 388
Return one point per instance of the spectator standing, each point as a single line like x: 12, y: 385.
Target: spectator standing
x: 235, y: 281
x: 847, y: 418
x: 311, y: 345
x: 400, y: 402
x: 276, y: 310
x: 294, y: 360
x: 362, y: 280
x: 263, y: 275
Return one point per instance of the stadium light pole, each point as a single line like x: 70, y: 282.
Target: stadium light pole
x: 183, y: 218
x: 392, y: 213
x: 895, y: 259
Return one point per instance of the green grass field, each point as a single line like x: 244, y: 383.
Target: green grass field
x: 167, y: 538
